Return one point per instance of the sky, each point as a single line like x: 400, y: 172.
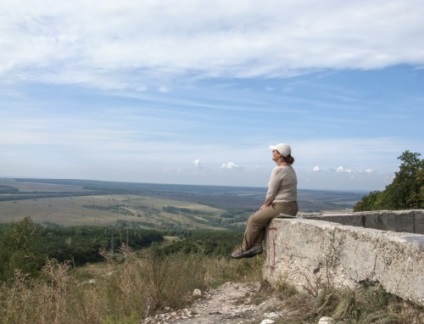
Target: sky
x: 195, y: 91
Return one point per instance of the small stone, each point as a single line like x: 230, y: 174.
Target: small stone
x: 326, y: 320
x: 267, y: 321
x: 197, y: 293
x: 272, y: 315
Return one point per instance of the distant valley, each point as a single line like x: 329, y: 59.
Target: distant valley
x: 55, y: 202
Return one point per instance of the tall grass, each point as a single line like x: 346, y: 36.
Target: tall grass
x: 365, y: 305
x: 124, y: 290
x: 128, y: 287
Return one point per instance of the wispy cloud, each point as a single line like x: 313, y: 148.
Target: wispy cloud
x: 69, y: 42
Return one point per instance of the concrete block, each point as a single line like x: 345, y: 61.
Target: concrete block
x: 419, y: 221
x: 400, y: 221
x: 308, y: 251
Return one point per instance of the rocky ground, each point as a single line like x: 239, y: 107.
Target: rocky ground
x: 230, y: 303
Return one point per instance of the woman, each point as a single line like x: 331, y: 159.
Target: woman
x: 281, y: 198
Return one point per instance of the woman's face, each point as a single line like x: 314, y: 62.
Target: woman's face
x: 275, y: 155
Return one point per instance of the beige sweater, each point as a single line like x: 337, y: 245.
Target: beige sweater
x: 282, y: 186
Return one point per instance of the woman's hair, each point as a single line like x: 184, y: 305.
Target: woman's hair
x: 288, y: 159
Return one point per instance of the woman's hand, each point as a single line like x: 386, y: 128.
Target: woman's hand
x: 266, y: 204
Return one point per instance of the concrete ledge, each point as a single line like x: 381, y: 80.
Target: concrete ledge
x: 411, y: 221
x: 305, y: 251
x: 286, y: 216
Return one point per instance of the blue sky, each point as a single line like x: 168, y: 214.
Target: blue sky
x: 194, y: 92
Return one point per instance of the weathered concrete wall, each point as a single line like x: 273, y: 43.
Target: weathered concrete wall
x: 305, y: 251
x: 411, y: 221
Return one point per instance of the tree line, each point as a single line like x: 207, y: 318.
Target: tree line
x: 25, y: 246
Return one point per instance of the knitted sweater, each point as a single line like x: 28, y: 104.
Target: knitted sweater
x: 282, y: 186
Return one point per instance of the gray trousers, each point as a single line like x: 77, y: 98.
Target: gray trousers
x: 258, y: 221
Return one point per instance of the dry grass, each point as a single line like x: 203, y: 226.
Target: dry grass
x: 361, y: 306
x: 124, y: 290
x: 129, y: 287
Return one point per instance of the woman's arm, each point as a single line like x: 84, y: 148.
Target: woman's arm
x: 273, y: 186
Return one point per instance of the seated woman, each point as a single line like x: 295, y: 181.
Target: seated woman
x: 281, y: 198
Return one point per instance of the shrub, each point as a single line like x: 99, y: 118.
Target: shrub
x: 20, y: 250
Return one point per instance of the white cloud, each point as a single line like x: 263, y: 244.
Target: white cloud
x: 120, y: 44
x: 341, y: 169
x: 316, y: 169
x: 230, y: 165
x: 197, y: 164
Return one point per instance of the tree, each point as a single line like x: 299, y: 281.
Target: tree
x: 420, y: 180
x: 406, y: 190
x: 19, y: 249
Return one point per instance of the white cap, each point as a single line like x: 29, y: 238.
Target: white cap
x: 283, y: 149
